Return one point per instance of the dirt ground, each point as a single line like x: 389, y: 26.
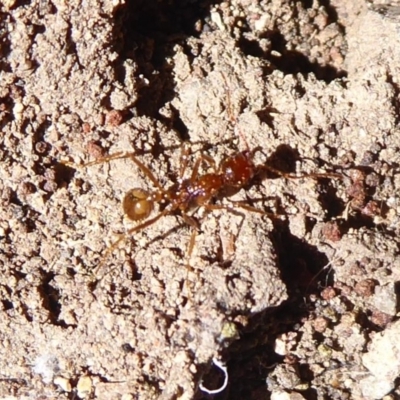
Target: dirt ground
x: 300, y: 304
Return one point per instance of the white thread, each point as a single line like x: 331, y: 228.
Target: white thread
x: 224, y: 369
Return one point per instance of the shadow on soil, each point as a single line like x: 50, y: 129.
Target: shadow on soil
x: 147, y: 33
x: 252, y: 358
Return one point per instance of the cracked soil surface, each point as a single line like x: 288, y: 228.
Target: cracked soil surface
x: 303, y: 305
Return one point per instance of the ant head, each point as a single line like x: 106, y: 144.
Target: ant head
x: 137, y: 204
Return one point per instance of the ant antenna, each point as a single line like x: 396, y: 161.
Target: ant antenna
x: 232, y: 118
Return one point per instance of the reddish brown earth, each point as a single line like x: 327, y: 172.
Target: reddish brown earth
x: 303, y: 306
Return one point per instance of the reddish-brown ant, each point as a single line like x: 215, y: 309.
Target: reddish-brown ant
x: 199, y: 190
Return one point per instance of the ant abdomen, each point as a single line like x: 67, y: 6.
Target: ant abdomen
x: 137, y: 204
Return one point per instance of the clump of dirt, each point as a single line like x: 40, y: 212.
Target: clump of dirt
x: 298, y: 301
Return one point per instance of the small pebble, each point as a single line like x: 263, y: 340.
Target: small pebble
x: 114, y: 118
x: 385, y: 299
x: 84, y: 386
x: 286, y: 396
x: 64, y: 383
x: 18, y: 108
x: 320, y: 324
x: 365, y: 288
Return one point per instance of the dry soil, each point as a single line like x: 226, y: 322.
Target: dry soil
x: 302, y: 304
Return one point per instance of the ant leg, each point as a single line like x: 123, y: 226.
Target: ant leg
x: 195, y: 227
x: 123, y: 236
x: 233, y: 118
x: 118, y: 156
x: 316, y: 175
x: 101, y: 160
x: 293, y: 176
x: 202, y: 158
x: 147, y: 172
x: 183, y: 160
x: 233, y: 210
x: 246, y: 207
x: 190, y: 248
x: 192, y: 242
x: 228, y: 100
x: 189, y: 269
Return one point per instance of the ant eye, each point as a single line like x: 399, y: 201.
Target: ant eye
x: 137, y: 205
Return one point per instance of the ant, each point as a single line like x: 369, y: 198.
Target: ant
x: 199, y: 190
x: 235, y: 172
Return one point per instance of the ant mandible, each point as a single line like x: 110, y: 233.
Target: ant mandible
x: 199, y: 190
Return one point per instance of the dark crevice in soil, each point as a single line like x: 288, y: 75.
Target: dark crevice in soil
x: 396, y: 98
x: 302, y: 265
x: 39, y: 134
x: 305, y: 3
x: 176, y: 123
x: 38, y: 29
x: 150, y: 30
x: 329, y: 200
x: 252, y: 358
x: 63, y: 174
x: 283, y: 159
x: 51, y: 299
x: 7, y: 304
x: 22, y: 3
x: 331, y: 11
x: 5, y: 48
x: 292, y: 62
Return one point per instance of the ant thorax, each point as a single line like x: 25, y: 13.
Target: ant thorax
x: 194, y: 192
x: 238, y: 170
